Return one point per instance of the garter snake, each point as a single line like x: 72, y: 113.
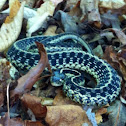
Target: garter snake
x: 63, y: 55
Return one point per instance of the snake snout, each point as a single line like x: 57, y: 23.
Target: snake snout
x: 57, y: 78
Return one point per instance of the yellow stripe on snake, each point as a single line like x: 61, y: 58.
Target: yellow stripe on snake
x: 63, y: 57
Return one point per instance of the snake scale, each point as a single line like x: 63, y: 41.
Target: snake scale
x: 66, y: 56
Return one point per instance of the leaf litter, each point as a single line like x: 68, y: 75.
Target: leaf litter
x: 101, y: 23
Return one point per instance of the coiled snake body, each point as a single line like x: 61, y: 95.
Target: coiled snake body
x: 62, y: 56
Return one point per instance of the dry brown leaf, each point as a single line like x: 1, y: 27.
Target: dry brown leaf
x: 38, y: 3
x: 71, y: 3
x: 122, y: 55
x: 51, y: 31
x: 13, y: 11
x: 112, y: 4
x: 122, y: 62
x: 34, y: 23
x: 90, y: 7
x: 99, y: 113
x: 26, y: 82
x: 122, y: 69
x: 1, y: 98
x: 117, y: 60
x: 47, y: 6
x: 66, y: 115
x: 6, y: 121
x: 56, y: 2
x: 123, y: 93
x: 4, y: 70
x: 61, y: 99
x: 116, y: 114
x: 76, y: 11
x: 10, y: 31
x: 11, y: 2
x: 121, y: 35
x: 33, y: 123
x: 4, y: 78
x: 29, y: 3
x: 34, y: 104
x: 111, y: 57
x: 2, y: 18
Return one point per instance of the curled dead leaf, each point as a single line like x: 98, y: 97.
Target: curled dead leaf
x: 26, y: 82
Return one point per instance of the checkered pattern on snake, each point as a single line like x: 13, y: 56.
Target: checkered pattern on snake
x: 62, y: 56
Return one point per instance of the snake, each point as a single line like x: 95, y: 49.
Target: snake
x: 63, y: 55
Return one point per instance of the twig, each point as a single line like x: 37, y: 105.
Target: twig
x: 8, y: 101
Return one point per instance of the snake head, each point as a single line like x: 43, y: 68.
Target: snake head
x: 57, y: 79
